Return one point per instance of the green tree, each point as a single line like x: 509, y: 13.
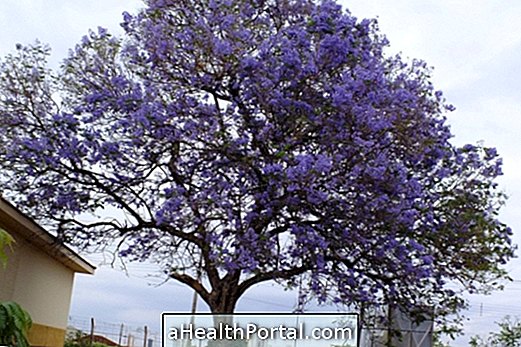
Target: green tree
x: 509, y: 335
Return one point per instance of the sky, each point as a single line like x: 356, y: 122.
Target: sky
x: 475, y: 49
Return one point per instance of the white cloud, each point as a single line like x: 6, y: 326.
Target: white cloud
x: 59, y: 23
x: 458, y: 38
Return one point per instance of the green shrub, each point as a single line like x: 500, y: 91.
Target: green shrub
x: 14, y: 324
x: 80, y: 339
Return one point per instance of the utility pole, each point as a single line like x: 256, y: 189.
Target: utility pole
x: 195, y: 297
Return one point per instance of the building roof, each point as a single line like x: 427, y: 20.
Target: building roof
x: 13, y: 220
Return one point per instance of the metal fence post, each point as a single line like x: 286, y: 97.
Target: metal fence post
x: 145, y: 337
x: 91, y: 331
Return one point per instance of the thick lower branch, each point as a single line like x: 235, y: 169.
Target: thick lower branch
x: 192, y: 283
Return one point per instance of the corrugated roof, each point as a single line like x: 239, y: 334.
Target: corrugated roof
x: 13, y: 220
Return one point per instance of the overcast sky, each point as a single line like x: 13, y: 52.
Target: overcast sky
x: 475, y: 49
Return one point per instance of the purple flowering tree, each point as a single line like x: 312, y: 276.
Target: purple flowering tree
x: 252, y: 141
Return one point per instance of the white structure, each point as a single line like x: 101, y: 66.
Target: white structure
x: 412, y: 334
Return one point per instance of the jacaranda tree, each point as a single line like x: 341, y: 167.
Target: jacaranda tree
x: 250, y: 141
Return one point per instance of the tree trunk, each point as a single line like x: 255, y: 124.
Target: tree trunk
x: 222, y: 305
x: 223, y: 299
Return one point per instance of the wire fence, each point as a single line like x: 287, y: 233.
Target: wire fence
x: 482, y: 314
x: 113, y: 334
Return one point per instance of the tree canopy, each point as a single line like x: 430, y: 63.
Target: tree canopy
x: 250, y: 141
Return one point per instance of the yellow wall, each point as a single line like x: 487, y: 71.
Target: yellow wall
x: 44, y: 336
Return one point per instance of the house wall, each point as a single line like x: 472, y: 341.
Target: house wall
x: 43, y: 287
